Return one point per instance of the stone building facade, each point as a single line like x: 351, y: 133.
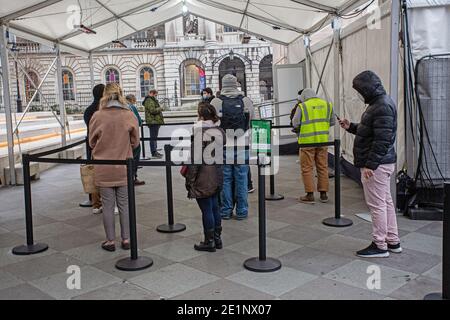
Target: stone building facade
x: 178, y: 59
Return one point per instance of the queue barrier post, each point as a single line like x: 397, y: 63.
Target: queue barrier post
x: 337, y: 221
x: 262, y: 263
x: 273, y: 196
x: 87, y: 203
x: 30, y: 247
x: 134, y: 262
x: 445, y: 294
x: 171, y: 226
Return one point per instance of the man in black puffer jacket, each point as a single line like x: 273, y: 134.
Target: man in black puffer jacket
x: 374, y: 153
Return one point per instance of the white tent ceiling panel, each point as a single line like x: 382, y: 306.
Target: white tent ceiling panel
x: 105, y: 35
x: 16, y: 6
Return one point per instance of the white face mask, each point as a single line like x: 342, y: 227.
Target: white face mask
x: 360, y: 97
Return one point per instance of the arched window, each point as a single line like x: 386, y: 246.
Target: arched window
x: 30, y: 89
x: 235, y: 67
x: 68, y: 85
x: 266, y: 78
x: 112, y: 75
x: 147, y: 80
x: 193, y: 78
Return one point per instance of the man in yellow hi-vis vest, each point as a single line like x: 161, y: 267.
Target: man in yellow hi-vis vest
x: 314, y: 117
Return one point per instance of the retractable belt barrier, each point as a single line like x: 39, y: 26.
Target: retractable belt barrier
x: 136, y: 262
x: 445, y: 294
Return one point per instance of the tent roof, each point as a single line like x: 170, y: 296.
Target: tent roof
x: 51, y: 21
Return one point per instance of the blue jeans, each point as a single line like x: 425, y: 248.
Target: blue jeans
x: 235, y: 177
x: 154, y: 130
x: 210, y: 212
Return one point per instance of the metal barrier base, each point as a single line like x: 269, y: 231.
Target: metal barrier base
x: 337, y: 223
x: 257, y: 265
x: 26, y: 250
x: 274, y: 197
x: 86, y: 204
x: 168, y: 228
x: 434, y: 296
x: 129, y: 264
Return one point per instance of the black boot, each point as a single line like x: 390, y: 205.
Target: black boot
x: 217, y: 239
x: 208, y: 244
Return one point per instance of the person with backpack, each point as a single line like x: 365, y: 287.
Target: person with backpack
x: 204, y: 181
x: 236, y: 112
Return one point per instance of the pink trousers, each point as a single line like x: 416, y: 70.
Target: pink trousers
x: 377, y: 192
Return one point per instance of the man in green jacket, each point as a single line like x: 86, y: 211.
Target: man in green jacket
x: 154, y: 119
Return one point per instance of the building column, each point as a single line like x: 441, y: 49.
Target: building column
x: 7, y: 103
x: 210, y: 31
x: 91, y: 70
x: 62, y: 109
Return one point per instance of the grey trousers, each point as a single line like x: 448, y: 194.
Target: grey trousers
x: 111, y: 196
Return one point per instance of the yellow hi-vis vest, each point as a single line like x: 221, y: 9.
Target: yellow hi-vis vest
x: 315, y: 124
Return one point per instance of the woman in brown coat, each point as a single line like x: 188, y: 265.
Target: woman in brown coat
x: 204, y: 181
x: 113, y: 134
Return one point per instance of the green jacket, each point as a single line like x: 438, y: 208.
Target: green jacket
x: 153, y: 111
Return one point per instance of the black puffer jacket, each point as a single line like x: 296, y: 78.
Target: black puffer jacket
x: 376, y: 133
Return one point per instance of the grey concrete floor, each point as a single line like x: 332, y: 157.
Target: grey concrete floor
x: 318, y: 262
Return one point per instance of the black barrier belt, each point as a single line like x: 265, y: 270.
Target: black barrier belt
x: 46, y: 153
x: 170, y: 124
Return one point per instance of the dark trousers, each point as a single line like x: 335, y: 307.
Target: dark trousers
x: 137, y: 157
x: 210, y: 212
x: 154, y: 131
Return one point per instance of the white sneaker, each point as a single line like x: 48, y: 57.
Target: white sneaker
x: 116, y: 211
x: 97, y: 211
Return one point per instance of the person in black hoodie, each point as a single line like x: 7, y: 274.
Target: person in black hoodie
x: 375, y: 155
x: 88, y: 113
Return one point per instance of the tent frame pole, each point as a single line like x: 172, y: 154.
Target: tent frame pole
x: 62, y: 109
x: 7, y: 103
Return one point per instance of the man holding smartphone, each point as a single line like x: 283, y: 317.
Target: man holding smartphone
x: 375, y: 155
x: 313, y: 118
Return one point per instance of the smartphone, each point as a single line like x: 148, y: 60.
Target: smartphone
x: 337, y: 117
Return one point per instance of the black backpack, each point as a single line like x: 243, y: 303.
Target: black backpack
x: 233, y: 116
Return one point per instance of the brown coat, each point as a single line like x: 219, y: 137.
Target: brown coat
x: 204, y: 181
x: 113, y: 134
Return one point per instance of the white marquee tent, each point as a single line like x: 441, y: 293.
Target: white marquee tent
x: 285, y: 22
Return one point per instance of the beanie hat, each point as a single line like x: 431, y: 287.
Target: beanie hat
x: 229, y: 82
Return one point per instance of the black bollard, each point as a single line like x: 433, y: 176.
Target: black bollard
x: 262, y: 263
x: 445, y: 295
x: 337, y: 221
x: 143, y: 141
x: 30, y: 247
x: 171, y: 227
x: 134, y: 263
x: 273, y: 196
x: 87, y: 203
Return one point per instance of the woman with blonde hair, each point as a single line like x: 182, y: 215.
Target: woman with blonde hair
x: 113, y: 134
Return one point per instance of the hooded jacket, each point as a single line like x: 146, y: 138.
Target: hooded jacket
x: 113, y: 134
x: 306, y: 95
x: 204, y: 181
x: 376, y: 133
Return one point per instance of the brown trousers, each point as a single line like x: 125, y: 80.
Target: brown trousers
x: 96, y: 201
x: 319, y: 157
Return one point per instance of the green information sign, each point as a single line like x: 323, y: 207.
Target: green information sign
x: 261, y: 136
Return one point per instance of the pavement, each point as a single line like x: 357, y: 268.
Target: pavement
x: 318, y: 262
